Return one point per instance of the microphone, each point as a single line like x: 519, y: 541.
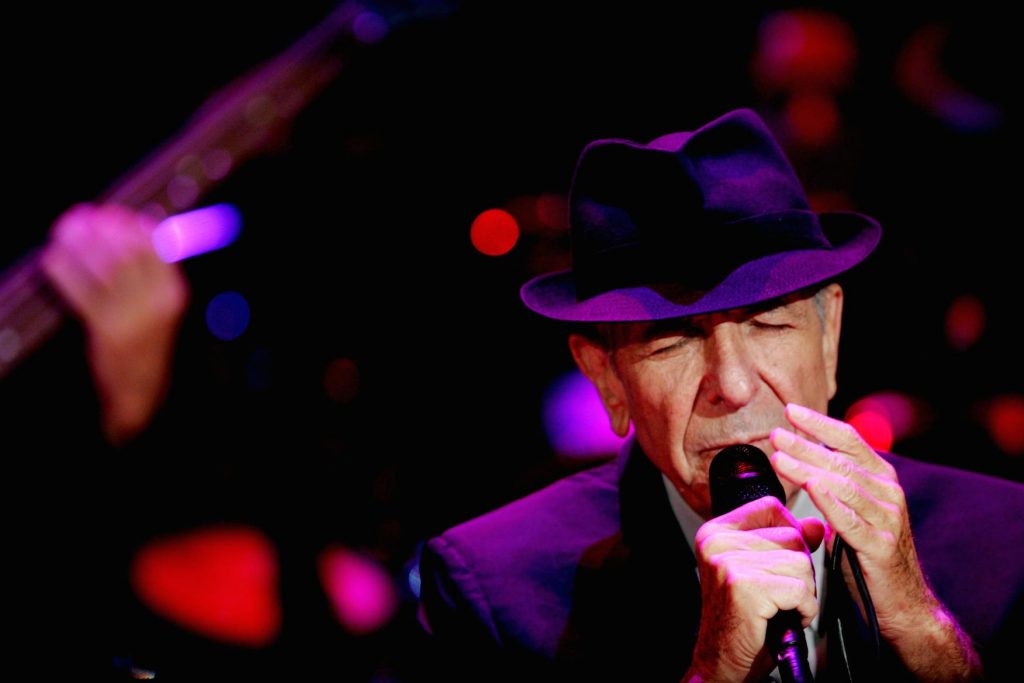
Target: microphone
x: 738, y: 475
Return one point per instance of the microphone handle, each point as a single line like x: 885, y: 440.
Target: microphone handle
x: 785, y: 639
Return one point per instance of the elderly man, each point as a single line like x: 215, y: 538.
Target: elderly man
x: 707, y: 315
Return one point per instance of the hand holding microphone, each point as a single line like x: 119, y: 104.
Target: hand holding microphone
x: 754, y: 562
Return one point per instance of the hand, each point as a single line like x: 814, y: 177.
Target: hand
x: 754, y: 561
x: 859, y: 495
x: 101, y: 260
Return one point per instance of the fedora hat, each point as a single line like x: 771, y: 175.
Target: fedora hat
x: 690, y: 223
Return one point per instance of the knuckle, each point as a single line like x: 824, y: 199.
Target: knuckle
x: 888, y: 471
x: 853, y: 520
x: 850, y: 434
x: 790, y: 537
x: 847, y: 490
x: 843, y: 466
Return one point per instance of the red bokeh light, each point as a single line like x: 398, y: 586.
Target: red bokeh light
x: 965, y: 322
x: 1006, y: 423
x: 220, y: 582
x: 341, y: 380
x: 805, y: 49
x: 494, y: 232
x: 904, y: 415
x: 813, y: 120
x: 553, y: 211
x: 875, y: 429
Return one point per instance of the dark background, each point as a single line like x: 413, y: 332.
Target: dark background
x: 356, y: 245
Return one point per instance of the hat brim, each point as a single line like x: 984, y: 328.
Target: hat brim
x: 853, y: 236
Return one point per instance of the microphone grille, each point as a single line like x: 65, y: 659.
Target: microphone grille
x: 740, y: 474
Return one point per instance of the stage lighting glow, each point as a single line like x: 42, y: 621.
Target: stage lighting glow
x: 875, y: 429
x: 196, y: 232
x: 227, y: 315
x: 904, y: 415
x: 1006, y: 423
x: 813, y: 119
x: 369, y: 28
x: 965, y: 322
x: 220, y: 582
x: 361, y: 591
x: 575, y: 420
x: 341, y: 380
x: 805, y: 49
x: 494, y: 232
x: 553, y: 211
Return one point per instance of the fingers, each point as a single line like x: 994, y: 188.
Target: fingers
x: 840, y: 463
x: 752, y: 548
x: 763, y: 512
x: 103, y: 263
x: 771, y: 538
x: 774, y: 581
x: 839, y: 436
x: 853, y: 487
x: 813, y: 532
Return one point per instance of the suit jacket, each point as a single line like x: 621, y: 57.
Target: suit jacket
x: 591, y: 577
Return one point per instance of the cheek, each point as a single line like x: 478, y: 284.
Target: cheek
x: 661, y: 415
x: 795, y: 370
x: 663, y: 403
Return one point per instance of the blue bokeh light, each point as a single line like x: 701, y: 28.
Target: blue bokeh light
x: 227, y: 315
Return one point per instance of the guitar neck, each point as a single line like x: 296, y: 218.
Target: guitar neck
x: 30, y: 311
x: 235, y: 124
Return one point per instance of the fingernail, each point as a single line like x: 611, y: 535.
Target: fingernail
x: 783, y: 460
x: 797, y: 411
x: 783, y: 437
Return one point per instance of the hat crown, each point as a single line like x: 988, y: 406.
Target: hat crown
x: 720, y: 192
x: 693, y: 222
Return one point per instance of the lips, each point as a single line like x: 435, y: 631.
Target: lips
x: 752, y: 440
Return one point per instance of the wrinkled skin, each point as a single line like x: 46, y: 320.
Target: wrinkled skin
x: 692, y: 386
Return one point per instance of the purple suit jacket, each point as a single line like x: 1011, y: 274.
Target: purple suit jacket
x: 592, y: 577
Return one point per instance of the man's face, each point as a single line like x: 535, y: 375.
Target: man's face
x: 692, y: 386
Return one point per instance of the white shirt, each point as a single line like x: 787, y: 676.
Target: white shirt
x: 690, y: 521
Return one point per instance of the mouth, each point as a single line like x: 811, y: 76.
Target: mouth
x: 762, y: 442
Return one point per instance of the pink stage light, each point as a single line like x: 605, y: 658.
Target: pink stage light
x: 361, y: 591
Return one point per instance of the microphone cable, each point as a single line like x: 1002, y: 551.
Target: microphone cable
x: 840, y: 548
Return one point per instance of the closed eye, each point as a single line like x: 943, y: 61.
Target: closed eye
x: 768, y: 326
x: 678, y: 344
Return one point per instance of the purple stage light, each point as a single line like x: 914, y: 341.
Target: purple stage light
x: 196, y: 232
x: 574, y: 419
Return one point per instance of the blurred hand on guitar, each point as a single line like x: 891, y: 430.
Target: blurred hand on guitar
x: 101, y: 261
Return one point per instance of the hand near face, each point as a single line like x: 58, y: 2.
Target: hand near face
x: 101, y: 260
x: 860, y: 497
x: 754, y: 561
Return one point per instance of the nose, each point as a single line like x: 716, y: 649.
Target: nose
x: 730, y: 376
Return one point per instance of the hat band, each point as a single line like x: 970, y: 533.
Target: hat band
x: 731, y: 244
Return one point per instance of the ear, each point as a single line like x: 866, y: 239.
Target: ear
x: 595, y: 361
x: 830, y: 334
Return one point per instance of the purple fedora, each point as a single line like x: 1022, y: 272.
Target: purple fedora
x: 690, y: 223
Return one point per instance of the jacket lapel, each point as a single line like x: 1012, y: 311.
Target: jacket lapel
x: 636, y: 593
